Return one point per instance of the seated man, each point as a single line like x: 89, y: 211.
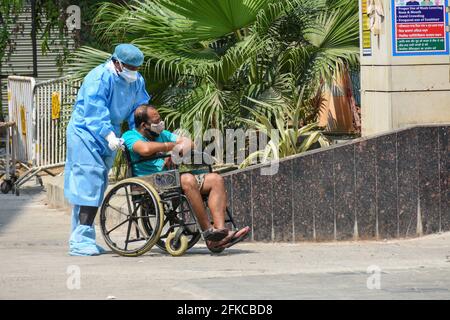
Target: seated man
x: 150, y: 138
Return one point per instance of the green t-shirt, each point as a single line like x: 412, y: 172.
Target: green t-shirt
x: 148, y: 167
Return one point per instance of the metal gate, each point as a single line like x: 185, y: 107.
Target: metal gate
x: 53, y: 101
x: 20, y: 111
x: 41, y: 112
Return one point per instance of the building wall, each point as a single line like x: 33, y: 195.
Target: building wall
x: 399, y: 91
x: 20, y: 61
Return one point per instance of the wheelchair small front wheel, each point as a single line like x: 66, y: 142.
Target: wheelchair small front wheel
x: 6, y: 186
x: 190, y: 231
x: 178, y: 249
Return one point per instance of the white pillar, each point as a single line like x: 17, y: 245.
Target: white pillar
x: 405, y: 69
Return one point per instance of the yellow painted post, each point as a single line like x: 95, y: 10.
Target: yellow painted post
x: 56, y: 105
x: 23, y: 119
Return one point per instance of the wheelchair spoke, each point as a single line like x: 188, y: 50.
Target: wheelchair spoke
x: 137, y: 233
x: 135, y: 217
x: 128, y: 199
x: 134, y: 213
x: 119, y: 225
x: 138, y: 228
x: 119, y: 211
x: 127, y: 239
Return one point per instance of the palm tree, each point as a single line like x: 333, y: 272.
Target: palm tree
x: 282, y: 125
x: 215, y: 61
x: 9, y: 10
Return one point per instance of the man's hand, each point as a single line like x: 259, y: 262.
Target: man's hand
x: 183, y: 147
x: 169, y: 164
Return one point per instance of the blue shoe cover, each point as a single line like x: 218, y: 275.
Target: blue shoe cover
x: 82, y: 242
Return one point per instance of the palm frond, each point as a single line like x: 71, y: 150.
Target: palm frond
x: 84, y: 60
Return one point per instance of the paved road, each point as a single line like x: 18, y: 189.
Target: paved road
x: 34, y: 265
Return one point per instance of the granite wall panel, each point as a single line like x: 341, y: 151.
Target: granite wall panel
x: 371, y: 188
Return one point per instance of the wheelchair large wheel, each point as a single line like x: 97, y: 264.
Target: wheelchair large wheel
x: 130, y: 206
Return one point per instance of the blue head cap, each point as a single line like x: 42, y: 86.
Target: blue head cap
x: 129, y: 54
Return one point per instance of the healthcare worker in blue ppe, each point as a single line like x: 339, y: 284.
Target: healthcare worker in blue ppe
x: 108, y: 96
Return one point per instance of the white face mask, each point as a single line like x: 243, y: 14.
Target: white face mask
x: 129, y: 75
x: 158, y: 128
x: 110, y: 65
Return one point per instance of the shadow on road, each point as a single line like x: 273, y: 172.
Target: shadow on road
x: 11, y: 206
x: 201, y: 251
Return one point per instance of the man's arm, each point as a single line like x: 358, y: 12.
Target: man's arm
x: 147, y: 149
x: 96, y: 106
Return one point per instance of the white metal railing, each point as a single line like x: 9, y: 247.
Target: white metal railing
x: 41, y: 112
x: 53, y: 102
x: 20, y: 111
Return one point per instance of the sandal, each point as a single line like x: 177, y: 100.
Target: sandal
x: 215, y: 234
x: 212, y: 246
x: 233, y: 238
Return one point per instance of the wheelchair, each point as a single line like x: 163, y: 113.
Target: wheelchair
x: 141, y: 212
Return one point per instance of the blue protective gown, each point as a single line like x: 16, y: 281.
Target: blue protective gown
x: 104, y: 101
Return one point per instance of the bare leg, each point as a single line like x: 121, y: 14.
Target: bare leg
x: 217, y: 200
x: 190, y: 188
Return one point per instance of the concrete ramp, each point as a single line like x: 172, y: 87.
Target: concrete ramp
x: 394, y: 185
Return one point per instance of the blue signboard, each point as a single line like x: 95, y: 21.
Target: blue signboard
x: 419, y: 27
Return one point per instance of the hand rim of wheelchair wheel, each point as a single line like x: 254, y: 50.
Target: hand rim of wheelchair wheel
x: 158, y: 204
x: 181, y: 247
